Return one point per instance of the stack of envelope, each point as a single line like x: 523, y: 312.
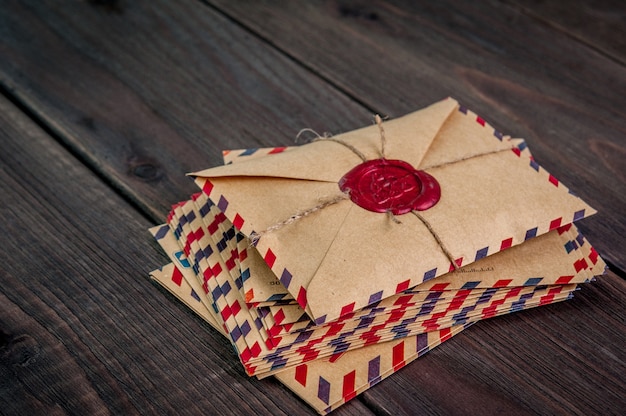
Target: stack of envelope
x: 333, y: 264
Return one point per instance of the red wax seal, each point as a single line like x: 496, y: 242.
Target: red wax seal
x: 384, y: 185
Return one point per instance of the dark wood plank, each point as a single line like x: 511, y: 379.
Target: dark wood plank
x: 599, y: 24
x: 527, y: 79
x: 82, y: 330
x: 124, y: 88
x: 147, y: 91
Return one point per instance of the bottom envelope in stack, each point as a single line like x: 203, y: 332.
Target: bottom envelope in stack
x: 218, y: 273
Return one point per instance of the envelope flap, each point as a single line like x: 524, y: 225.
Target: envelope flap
x: 463, y: 136
x: 319, y: 161
x: 407, y: 138
x: 371, y: 258
x: 337, y: 257
x: 488, y: 204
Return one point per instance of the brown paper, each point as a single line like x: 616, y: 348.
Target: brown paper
x: 328, y: 383
x: 196, y: 237
x: 389, y: 279
x: 344, y: 257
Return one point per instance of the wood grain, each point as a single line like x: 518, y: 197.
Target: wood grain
x: 82, y: 330
x: 149, y: 91
x: 599, y: 24
x: 130, y: 95
x: 526, y: 78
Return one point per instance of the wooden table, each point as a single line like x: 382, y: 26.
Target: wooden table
x: 105, y: 105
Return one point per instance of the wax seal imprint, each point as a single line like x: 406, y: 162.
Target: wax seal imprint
x: 383, y: 185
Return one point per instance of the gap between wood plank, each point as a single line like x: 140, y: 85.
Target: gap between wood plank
x: 72, y: 303
x: 143, y: 195
x: 562, y: 30
x: 70, y: 150
x: 612, y: 267
x: 49, y: 128
x: 308, y: 68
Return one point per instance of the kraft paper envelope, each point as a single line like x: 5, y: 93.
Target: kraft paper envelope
x: 236, y: 320
x: 561, y: 256
x: 325, y: 383
x: 328, y: 383
x: 260, y: 287
x: 170, y: 277
x: 342, y: 257
x: 539, y: 261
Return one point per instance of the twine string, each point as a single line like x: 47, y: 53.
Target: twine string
x: 325, y: 137
x: 341, y: 142
x: 255, y: 236
x: 393, y: 218
x: 308, y: 130
x: 437, y: 239
x: 508, y: 149
x: 383, y: 139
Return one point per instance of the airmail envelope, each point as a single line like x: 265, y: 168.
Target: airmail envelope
x: 257, y: 350
x: 341, y: 228
x: 329, y: 382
